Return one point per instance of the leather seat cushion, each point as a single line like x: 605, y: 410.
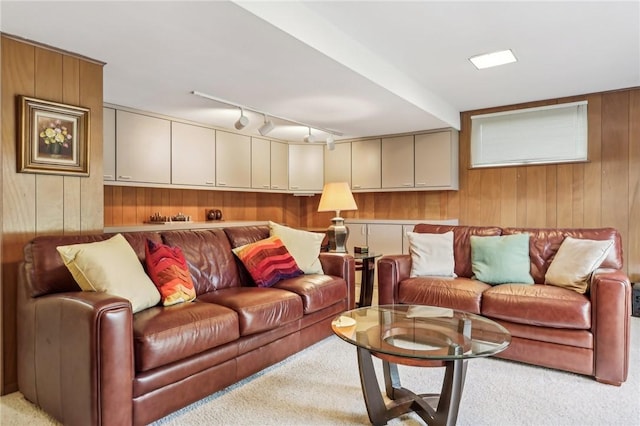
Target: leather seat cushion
x: 166, y: 334
x: 457, y: 293
x: 317, y: 291
x: 258, y: 309
x: 538, y: 304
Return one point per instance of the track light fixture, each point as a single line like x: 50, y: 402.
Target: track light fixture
x: 266, y: 127
x: 309, y: 138
x: 242, y: 121
x: 331, y: 143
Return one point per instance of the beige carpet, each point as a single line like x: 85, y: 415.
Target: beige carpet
x: 320, y: 386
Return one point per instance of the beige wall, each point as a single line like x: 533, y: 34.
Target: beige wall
x: 35, y: 204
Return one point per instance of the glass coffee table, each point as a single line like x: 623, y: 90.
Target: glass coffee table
x: 421, y: 336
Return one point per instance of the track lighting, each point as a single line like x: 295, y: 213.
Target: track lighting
x: 266, y: 127
x: 309, y: 138
x: 242, y: 121
x: 331, y: 143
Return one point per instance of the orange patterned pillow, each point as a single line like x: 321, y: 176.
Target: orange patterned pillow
x: 268, y: 261
x: 168, y: 270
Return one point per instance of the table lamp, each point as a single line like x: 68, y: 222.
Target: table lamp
x: 337, y: 196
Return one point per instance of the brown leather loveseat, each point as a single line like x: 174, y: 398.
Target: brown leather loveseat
x: 550, y: 326
x: 84, y: 358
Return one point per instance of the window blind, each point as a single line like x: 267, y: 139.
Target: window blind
x: 550, y: 134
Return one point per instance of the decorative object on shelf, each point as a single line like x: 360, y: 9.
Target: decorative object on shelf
x: 363, y: 250
x: 158, y: 219
x: 181, y: 218
x: 53, y: 138
x: 337, y: 196
x: 214, y: 214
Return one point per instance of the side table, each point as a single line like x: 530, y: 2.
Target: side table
x: 368, y: 274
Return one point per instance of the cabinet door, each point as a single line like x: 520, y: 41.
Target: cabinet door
x: 306, y: 167
x: 337, y: 164
x: 279, y: 166
x: 365, y: 164
x: 193, y: 155
x: 109, y: 143
x: 397, y: 162
x: 436, y: 160
x: 357, y: 235
x: 233, y: 160
x: 385, y: 238
x: 260, y: 163
x: 143, y: 148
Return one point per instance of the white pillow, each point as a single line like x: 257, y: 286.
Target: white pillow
x: 304, y: 246
x: 111, y: 266
x: 431, y: 254
x: 575, y: 261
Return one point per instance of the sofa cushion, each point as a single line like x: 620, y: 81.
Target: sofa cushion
x: 111, y: 266
x: 575, y: 261
x: 317, y: 291
x: 431, y: 254
x: 258, y: 309
x: 304, y: 246
x: 268, y: 261
x: 458, y: 293
x: 167, y: 334
x: 501, y: 259
x: 538, y: 304
x: 461, y: 242
x: 169, y: 272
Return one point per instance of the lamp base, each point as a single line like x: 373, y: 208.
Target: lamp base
x: 337, y: 234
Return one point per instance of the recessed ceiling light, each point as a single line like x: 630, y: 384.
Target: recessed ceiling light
x: 494, y: 59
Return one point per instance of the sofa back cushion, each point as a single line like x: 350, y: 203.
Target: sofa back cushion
x: 461, y: 242
x: 211, y: 262
x: 45, y: 270
x: 544, y: 244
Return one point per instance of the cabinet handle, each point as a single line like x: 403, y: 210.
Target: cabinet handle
x: 407, y: 184
x: 295, y: 187
x: 421, y: 184
x: 222, y: 184
x: 265, y: 186
x: 209, y: 182
x: 107, y: 177
x: 124, y: 177
x: 275, y: 186
x: 357, y: 186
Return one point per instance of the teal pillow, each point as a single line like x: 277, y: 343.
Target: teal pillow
x: 501, y: 259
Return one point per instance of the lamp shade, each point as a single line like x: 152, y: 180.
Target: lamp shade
x: 336, y: 196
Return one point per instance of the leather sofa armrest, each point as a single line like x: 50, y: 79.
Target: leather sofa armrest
x: 343, y: 266
x: 75, y: 356
x: 391, y: 270
x: 610, y: 293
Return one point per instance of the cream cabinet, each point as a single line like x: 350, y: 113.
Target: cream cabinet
x: 279, y: 166
x: 109, y: 143
x: 436, y: 160
x: 366, y: 164
x: 337, y: 164
x: 260, y: 163
x: 306, y: 168
x: 397, y: 162
x: 233, y: 160
x: 143, y: 148
x: 193, y: 155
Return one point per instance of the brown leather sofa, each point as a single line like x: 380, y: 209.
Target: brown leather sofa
x: 550, y: 326
x: 86, y: 360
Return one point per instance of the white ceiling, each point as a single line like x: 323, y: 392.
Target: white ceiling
x: 359, y: 68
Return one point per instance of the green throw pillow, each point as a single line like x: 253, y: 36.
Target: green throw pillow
x: 501, y: 259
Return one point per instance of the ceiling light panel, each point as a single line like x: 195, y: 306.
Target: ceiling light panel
x: 493, y: 59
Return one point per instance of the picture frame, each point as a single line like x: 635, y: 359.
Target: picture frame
x: 53, y: 137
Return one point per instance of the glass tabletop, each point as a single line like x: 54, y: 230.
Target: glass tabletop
x: 421, y: 332
x: 362, y: 256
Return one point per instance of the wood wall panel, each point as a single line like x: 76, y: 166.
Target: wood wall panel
x: 35, y: 204
x: 633, y: 254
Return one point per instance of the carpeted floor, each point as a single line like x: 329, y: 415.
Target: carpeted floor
x: 320, y: 386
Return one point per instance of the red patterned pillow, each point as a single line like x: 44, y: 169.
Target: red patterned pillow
x: 268, y: 261
x: 168, y: 270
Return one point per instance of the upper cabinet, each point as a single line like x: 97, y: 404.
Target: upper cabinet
x: 306, y: 168
x: 193, y: 155
x: 397, y: 162
x: 109, y: 143
x: 366, y: 164
x: 279, y: 166
x: 436, y: 160
x: 233, y: 160
x: 337, y: 164
x: 260, y: 163
x: 143, y: 148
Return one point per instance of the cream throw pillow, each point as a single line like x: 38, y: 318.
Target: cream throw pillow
x: 431, y: 254
x: 111, y: 266
x: 575, y: 261
x: 304, y: 246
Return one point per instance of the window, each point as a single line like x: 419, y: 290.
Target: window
x: 550, y: 134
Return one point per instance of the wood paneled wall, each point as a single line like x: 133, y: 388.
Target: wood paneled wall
x: 36, y: 204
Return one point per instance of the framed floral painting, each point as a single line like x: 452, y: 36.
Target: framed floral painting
x: 53, y: 138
